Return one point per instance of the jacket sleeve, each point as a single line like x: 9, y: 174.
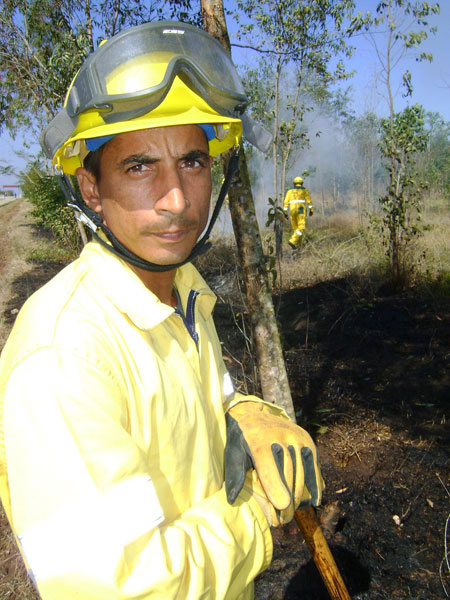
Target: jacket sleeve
x: 286, y: 200
x: 90, y: 520
x: 238, y: 397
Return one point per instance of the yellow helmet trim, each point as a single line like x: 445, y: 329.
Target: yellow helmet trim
x: 172, y: 111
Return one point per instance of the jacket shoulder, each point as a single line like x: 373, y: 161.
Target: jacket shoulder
x: 38, y: 320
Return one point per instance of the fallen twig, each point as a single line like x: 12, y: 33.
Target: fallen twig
x: 445, y: 560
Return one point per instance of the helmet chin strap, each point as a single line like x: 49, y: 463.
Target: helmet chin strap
x: 92, y: 220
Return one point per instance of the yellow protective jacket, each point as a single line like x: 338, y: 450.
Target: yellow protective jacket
x: 114, y: 431
x: 295, y: 201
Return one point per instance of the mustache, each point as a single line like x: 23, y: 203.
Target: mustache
x: 169, y: 224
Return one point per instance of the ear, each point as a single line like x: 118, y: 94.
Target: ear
x: 89, y: 189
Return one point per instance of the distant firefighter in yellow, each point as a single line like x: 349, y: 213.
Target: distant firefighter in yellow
x: 295, y: 207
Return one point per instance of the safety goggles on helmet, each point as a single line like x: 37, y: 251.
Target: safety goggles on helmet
x: 183, y: 49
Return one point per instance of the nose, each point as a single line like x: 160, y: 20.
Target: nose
x: 172, y: 199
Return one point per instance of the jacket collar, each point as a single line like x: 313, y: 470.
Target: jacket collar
x: 129, y: 295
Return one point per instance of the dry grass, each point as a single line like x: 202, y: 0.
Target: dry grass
x: 334, y: 248
x: 14, y: 582
x: 221, y: 258
x: 339, y: 247
x: 355, y: 437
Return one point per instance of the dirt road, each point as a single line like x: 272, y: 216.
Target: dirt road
x: 16, y: 235
x: 20, y: 274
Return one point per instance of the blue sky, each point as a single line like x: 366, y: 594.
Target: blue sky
x: 431, y: 81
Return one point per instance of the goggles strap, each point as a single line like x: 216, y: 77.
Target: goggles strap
x: 203, y: 245
x: 82, y: 212
x: 88, y: 217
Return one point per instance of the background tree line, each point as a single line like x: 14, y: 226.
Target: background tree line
x: 346, y: 165
x: 291, y: 56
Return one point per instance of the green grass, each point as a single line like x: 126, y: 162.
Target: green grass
x: 49, y: 253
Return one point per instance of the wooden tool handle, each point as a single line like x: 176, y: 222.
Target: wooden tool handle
x: 318, y: 546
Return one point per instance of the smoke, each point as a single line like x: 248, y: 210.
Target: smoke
x: 338, y: 159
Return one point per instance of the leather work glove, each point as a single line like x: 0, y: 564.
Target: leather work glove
x: 311, y: 212
x: 274, y: 517
x: 283, y: 455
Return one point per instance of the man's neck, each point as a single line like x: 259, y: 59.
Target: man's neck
x: 158, y: 282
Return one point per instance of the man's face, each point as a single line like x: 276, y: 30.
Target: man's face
x: 154, y: 190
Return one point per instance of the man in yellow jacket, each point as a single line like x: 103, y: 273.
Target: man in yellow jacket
x: 129, y: 466
x: 295, y: 203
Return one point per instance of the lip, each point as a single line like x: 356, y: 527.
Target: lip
x: 172, y: 236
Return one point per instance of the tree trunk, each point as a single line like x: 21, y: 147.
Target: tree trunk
x: 88, y: 17
x: 269, y: 354
x: 275, y: 130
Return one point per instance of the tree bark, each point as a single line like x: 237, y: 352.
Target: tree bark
x: 269, y: 353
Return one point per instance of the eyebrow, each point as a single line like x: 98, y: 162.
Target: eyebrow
x: 146, y: 159
x: 194, y: 154
x: 142, y: 159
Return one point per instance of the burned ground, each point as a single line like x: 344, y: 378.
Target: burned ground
x: 370, y: 381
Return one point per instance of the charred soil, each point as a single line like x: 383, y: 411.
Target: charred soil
x: 370, y: 381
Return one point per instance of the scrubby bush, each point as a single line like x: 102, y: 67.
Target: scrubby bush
x: 50, y: 210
